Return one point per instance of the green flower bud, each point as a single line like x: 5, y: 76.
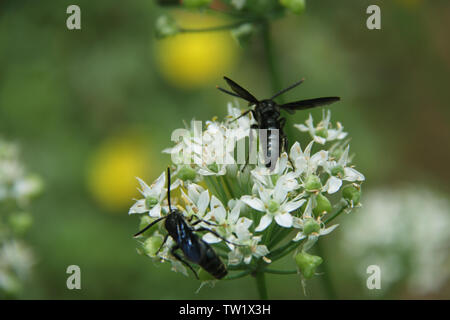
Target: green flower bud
x: 213, y: 167
x: 196, y: 3
x: 151, y: 245
x: 296, y: 6
x: 20, y: 222
x: 337, y: 153
x: 313, y: 183
x: 273, y: 206
x: 205, y: 276
x: 307, y: 264
x: 322, y: 132
x: 150, y: 202
x: 166, y: 26
x: 323, y: 205
x: 243, y: 34
x: 186, y: 173
x: 338, y: 171
x: 350, y: 193
x: 310, y: 225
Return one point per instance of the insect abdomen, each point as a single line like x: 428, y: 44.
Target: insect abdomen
x: 212, y: 264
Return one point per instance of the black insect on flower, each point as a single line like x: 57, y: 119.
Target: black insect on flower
x: 267, y: 114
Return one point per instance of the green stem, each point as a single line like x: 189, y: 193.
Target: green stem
x: 227, y: 187
x: 280, y: 271
x: 335, y: 215
x: 238, y: 275
x: 261, y: 285
x: 270, y: 57
x: 326, y: 276
x: 213, y: 29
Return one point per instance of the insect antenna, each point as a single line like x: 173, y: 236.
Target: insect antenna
x: 287, y: 89
x: 149, y: 226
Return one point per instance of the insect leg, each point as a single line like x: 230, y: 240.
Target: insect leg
x: 164, y: 241
x: 177, y: 256
x: 218, y: 236
x: 250, y: 143
x: 201, y: 220
x: 242, y: 115
x: 285, y: 146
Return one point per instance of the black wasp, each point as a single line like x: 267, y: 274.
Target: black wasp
x: 267, y: 115
x: 194, y: 248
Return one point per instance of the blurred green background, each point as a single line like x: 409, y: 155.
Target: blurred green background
x: 93, y: 108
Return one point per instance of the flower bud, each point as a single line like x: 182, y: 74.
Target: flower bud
x: 243, y: 34
x: 150, y: 202
x: 338, y: 171
x: 186, y: 173
x: 273, y: 206
x: 296, y: 6
x: 322, y: 132
x: 351, y: 193
x: 196, y: 3
x: 323, y: 205
x: 151, y: 245
x: 20, y: 222
x: 166, y: 26
x: 310, y: 225
x: 313, y: 183
x: 213, y: 167
x: 307, y: 263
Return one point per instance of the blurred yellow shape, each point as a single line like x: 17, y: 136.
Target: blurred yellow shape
x: 113, y: 170
x: 190, y: 60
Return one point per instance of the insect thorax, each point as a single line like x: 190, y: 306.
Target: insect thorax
x: 268, y: 109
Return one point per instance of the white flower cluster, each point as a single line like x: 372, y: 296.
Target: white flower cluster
x: 251, y: 206
x: 15, y: 183
x: 406, y: 232
x: 17, y: 188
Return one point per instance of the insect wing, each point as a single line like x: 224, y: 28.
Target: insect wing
x: 309, y: 103
x: 241, y: 91
x: 191, y: 248
x: 189, y: 243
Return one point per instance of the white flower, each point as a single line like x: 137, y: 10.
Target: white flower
x: 275, y: 204
x: 226, y: 223
x: 340, y: 171
x: 197, y: 200
x: 153, y: 197
x: 269, y: 178
x: 309, y: 222
x: 303, y: 162
x: 323, y: 132
x: 249, y: 248
x: 406, y: 231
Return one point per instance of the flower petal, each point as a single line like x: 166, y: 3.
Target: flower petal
x: 299, y: 236
x: 254, y: 203
x: 328, y: 230
x: 266, y: 220
x: 203, y: 202
x: 210, y: 238
x: 155, y: 212
x: 293, y: 205
x: 353, y: 175
x: 138, y: 207
x: 284, y: 220
x: 333, y: 184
